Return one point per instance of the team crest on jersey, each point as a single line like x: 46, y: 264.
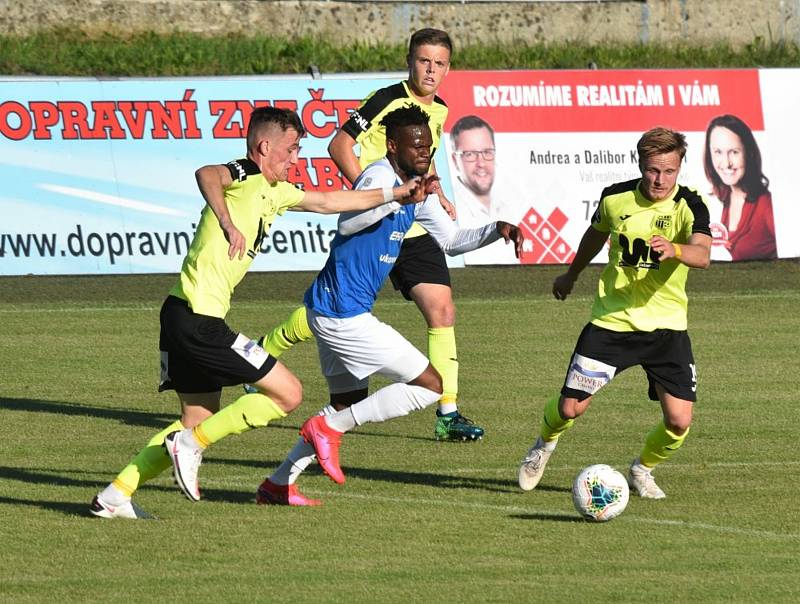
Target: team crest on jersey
x: 662, y: 223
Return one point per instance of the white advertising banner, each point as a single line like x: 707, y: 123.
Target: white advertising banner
x: 561, y: 137
x: 98, y: 175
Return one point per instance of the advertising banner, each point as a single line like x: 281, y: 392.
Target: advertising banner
x: 99, y: 174
x: 561, y: 137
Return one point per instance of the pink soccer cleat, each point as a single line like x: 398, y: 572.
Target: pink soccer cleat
x: 270, y: 493
x: 325, y: 441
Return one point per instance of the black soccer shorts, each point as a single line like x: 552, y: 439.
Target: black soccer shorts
x: 600, y: 354
x: 421, y: 260
x: 202, y: 354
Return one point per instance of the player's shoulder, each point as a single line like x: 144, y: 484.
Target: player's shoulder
x: 240, y: 169
x: 437, y: 100
x: 620, y: 188
x: 378, y: 174
x: 697, y: 206
x: 689, y: 195
x: 383, y: 97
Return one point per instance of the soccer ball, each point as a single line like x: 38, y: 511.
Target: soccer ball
x: 600, y: 493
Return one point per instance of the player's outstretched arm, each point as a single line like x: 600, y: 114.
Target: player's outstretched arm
x: 696, y: 253
x: 332, y: 202
x: 212, y: 181
x: 352, y: 222
x: 591, y: 243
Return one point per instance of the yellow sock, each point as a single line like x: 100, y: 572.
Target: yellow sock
x: 442, y: 354
x: 292, y: 331
x: 148, y: 463
x: 245, y: 413
x: 553, y: 425
x: 659, y: 445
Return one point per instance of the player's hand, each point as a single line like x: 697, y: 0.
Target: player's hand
x: 446, y: 203
x: 512, y: 234
x: 238, y: 244
x: 662, y: 246
x: 562, y: 286
x: 416, y: 189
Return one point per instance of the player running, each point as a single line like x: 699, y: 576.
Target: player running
x: 421, y: 272
x: 353, y: 344
x: 199, y: 352
x: 657, y: 230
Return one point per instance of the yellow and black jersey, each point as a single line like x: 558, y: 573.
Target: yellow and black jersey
x: 208, y: 277
x: 364, y: 126
x: 637, y: 292
x: 364, y: 123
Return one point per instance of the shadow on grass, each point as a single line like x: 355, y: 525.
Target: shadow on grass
x: 125, y: 416
x: 151, y: 420
x: 65, y: 507
x: 551, y: 517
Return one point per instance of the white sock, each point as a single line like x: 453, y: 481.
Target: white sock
x: 547, y: 445
x: 395, y: 400
x: 298, y: 459
x: 342, y: 421
x: 113, y: 496
x: 188, y: 440
x: 445, y: 408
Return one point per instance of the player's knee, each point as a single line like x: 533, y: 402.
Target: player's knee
x: 570, y: 408
x: 290, y: 394
x: 429, y: 379
x: 442, y: 314
x: 678, y: 425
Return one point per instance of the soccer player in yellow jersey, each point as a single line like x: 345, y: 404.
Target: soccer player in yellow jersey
x: 657, y: 230
x: 199, y: 352
x: 421, y: 272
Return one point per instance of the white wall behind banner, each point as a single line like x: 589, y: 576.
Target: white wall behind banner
x: 98, y: 176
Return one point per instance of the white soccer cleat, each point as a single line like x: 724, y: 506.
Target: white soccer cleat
x: 641, y: 481
x: 532, y: 467
x: 128, y: 509
x: 186, y: 460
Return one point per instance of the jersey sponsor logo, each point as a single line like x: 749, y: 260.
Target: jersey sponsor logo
x: 249, y: 350
x: 397, y: 236
x: 662, y: 223
x: 588, y: 375
x: 366, y: 182
x: 388, y: 259
x: 360, y: 121
x: 637, y: 254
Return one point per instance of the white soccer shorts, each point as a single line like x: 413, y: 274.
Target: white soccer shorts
x: 352, y: 349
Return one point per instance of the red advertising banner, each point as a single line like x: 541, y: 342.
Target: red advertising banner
x: 603, y: 101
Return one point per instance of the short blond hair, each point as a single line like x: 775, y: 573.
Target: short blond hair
x: 658, y: 141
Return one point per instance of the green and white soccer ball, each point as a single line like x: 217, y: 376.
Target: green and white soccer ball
x: 600, y: 493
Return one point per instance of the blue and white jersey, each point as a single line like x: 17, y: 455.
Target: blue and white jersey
x: 358, y: 264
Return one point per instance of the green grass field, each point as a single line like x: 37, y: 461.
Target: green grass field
x: 417, y: 520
